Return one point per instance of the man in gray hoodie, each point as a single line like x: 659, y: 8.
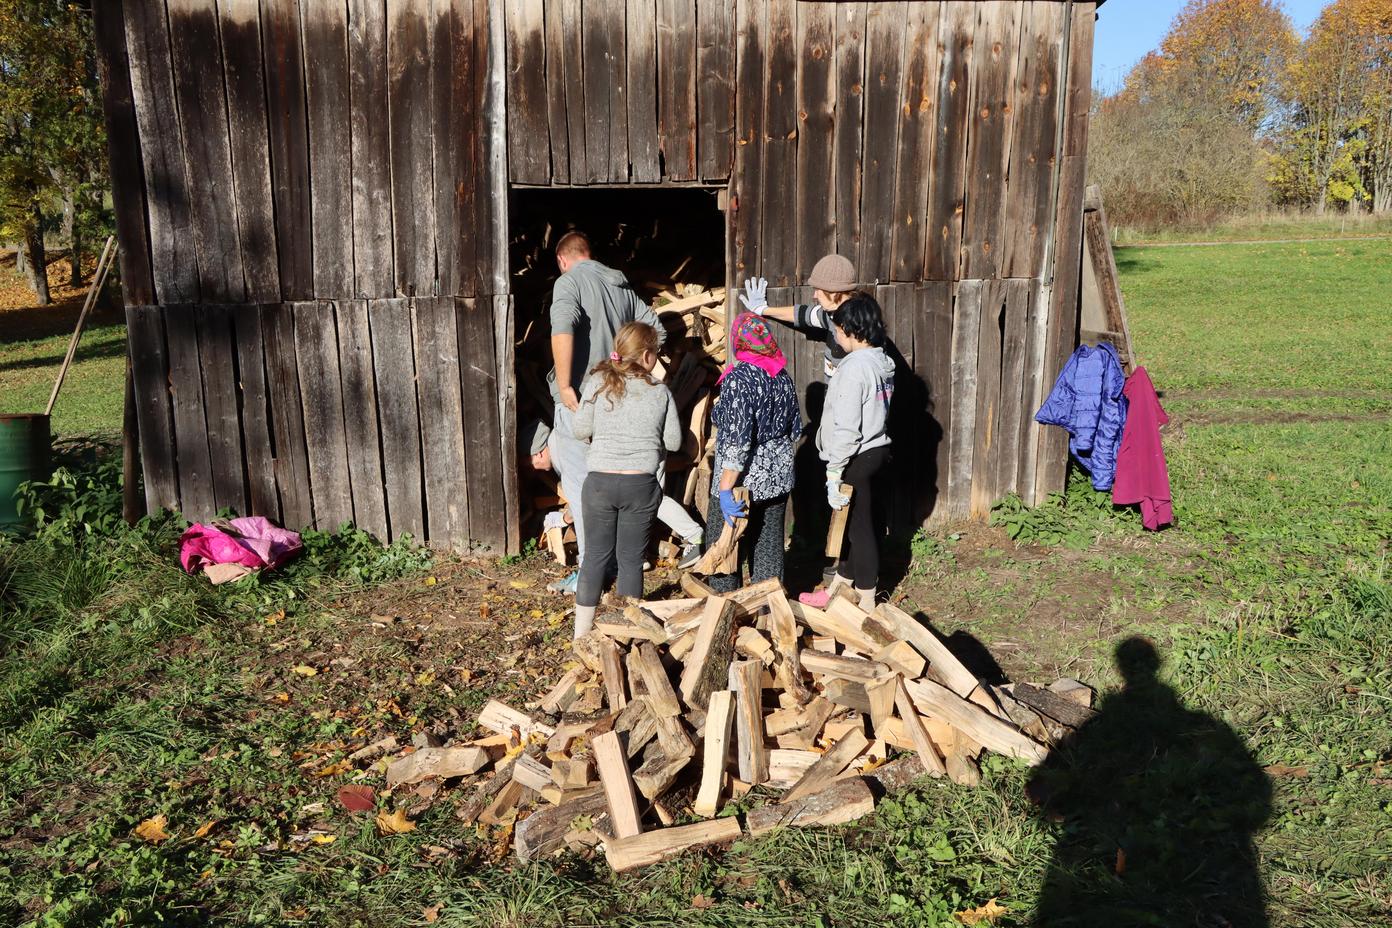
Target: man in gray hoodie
x: 589, y: 304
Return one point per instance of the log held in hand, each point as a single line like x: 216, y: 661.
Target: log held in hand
x: 836, y: 532
x: 723, y: 556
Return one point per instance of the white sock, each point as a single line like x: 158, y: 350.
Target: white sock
x: 867, y: 599
x: 584, y: 620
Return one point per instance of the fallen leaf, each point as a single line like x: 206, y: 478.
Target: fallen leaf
x: 304, y: 670
x: 702, y: 902
x: 275, y: 617
x: 425, y: 678
x: 519, y: 584
x: 394, y: 824
x: 357, y: 798
x: 430, y: 581
x: 203, y: 829
x: 152, y: 829
x: 323, y: 839
x: 334, y: 769
x: 281, y: 697
x: 465, y: 675
x: 986, y: 913
x: 431, y: 913
x: 1276, y: 771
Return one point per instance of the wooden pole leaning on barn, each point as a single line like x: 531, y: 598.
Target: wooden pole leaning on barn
x: 108, y: 257
x: 836, y: 532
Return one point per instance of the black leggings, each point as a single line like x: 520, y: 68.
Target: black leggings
x: 761, y: 545
x: 860, y: 551
x: 618, y: 515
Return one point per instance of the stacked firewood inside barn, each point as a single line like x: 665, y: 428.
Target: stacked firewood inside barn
x: 677, y: 267
x: 672, y: 710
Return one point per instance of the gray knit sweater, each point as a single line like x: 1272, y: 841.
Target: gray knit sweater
x: 629, y: 433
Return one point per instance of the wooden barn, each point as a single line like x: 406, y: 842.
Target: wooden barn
x: 315, y: 203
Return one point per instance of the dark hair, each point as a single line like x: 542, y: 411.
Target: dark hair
x: 573, y: 244
x: 860, y: 317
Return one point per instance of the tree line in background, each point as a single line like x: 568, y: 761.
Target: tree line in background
x: 1235, y: 113
x: 53, y: 173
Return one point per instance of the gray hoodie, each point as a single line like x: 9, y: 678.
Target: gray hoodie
x: 592, y: 302
x: 856, y: 415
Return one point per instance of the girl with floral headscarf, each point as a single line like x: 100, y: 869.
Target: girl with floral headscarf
x: 757, y: 423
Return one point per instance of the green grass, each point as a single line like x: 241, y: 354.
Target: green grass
x: 1265, y: 227
x: 91, y: 401
x: 128, y: 689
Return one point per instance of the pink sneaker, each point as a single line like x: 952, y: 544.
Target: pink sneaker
x: 817, y: 599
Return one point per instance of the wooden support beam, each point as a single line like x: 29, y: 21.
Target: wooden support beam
x: 612, y: 766
x: 829, y: 766
x: 749, y: 721
x: 716, y: 753
x: 707, y: 664
x: 629, y: 853
x: 839, y: 802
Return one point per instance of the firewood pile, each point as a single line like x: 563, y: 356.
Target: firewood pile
x: 673, y: 709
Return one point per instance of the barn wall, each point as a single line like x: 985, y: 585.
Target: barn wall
x: 311, y: 208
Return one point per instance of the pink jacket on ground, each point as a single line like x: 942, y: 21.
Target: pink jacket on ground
x: 1141, y: 474
x: 251, y: 541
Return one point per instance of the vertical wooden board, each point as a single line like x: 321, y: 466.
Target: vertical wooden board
x: 988, y: 397
x: 328, y: 103
x: 196, y: 498
x: 441, y: 420
x: 491, y: 205
x: 371, y: 149
x: 1029, y: 197
x: 257, y: 449
x: 849, y: 124
x: 947, y: 187
x: 779, y: 207
x: 606, y: 127
x: 457, y: 147
x: 150, y: 366
x: 640, y: 40
x: 393, y: 359
x: 484, y: 449
x: 321, y: 396
x: 884, y: 66
x: 966, y: 325
x: 504, y: 325
x: 289, y: 147
x: 217, y: 353
x: 988, y: 151
x: 676, y: 87
x: 933, y: 362
x: 615, y: 81
x: 746, y: 259
x: 555, y: 74
x: 715, y: 90
x: 123, y: 154
x: 571, y: 82
x: 1011, y: 410
x: 1067, y: 235
x: 287, y: 415
x: 1031, y: 395
x: 529, y: 149
x: 816, y: 95
x: 917, y: 118
x: 412, y: 194
x: 250, y: 144
x: 172, y: 256
x: 359, y: 390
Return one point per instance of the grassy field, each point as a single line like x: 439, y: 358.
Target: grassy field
x: 1262, y: 751
x: 1264, y: 228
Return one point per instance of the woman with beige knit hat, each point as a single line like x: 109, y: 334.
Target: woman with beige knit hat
x: 833, y: 283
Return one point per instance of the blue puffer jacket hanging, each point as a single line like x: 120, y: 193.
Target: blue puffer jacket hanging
x: 1087, y: 401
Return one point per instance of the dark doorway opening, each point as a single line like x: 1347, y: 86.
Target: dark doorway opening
x: 664, y: 239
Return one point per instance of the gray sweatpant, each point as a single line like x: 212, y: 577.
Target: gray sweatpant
x: 619, y: 512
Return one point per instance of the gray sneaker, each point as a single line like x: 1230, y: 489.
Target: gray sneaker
x: 566, y: 586
x: 691, y: 553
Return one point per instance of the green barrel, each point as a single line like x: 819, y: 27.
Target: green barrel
x: 24, y: 455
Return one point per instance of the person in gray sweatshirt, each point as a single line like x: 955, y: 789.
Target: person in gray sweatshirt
x: 853, y: 439
x: 589, y: 304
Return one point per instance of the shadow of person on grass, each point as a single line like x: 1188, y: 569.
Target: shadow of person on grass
x: 1158, y: 805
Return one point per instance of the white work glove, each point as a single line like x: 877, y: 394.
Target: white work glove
x: 835, y: 497
x: 755, y: 295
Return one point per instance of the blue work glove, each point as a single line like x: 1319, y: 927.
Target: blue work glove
x: 755, y: 295
x: 732, y: 508
x: 835, y: 497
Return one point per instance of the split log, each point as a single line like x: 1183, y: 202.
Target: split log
x: 436, y: 762
x: 1069, y: 688
x: 844, y: 668
x: 963, y: 769
x: 848, y: 693
x: 749, y: 721
x: 531, y: 773
x: 943, y: 665
x: 638, y: 722
x: 723, y: 556
x: 504, y: 804
x: 783, y: 628
x: 573, y: 773
x: 662, y: 699
x: 503, y: 719
x: 836, y: 804
x: 707, y: 664
x: 787, y: 765
x: 881, y: 696
x: 902, y: 658
x: 913, y: 726
x: 563, y: 694
x: 995, y: 734
x: 542, y: 834
x: 659, y: 771
x: 694, y: 586
x: 629, y: 853
x: 716, y: 752
x: 1061, y: 709
x: 612, y: 766
x: 828, y: 766
x: 612, y: 672
x: 754, y: 646
x: 836, y: 532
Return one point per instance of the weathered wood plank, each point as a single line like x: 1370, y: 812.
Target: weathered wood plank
x: 371, y: 150
x: 409, y: 90
x: 937, y: 701
x: 991, y: 321
x: 715, y: 89
x: 435, y: 336
x: 360, y: 417
x: 779, y: 207
x: 328, y: 88
x: 966, y: 329
x: 947, y: 190
x: 913, y: 170
x: 555, y: 73
x: 483, y: 436
x: 615, y: 82
x: 529, y: 149
x: 884, y: 65
x: 996, y: 52
x: 1031, y: 397
x: 321, y: 394
x: 172, y: 256
x: 196, y: 497
x: 816, y: 92
x: 289, y: 149
x: 150, y: 365
x: 457, y: 147
x: 257, y: 449
x: 201, y: 98
x: 570, y: 82
x: 250, y: 143
x: 393, y: 358
x: 676, y: 87
x: 216, y: 350
x: 933, y: 362
x: 1029, y: 198
x: 123, y: 150
x: 746, y: 253
x: 1010, y: 411
x: 848, y: 128
x: 287, y: 415
x: 644, y: 145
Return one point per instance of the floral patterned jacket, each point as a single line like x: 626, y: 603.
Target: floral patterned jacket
x: 757, y: 422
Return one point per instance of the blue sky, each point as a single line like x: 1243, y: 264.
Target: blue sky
x: 1127, y: 29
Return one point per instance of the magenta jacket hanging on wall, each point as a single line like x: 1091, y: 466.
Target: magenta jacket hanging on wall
x: 1141, y: 473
